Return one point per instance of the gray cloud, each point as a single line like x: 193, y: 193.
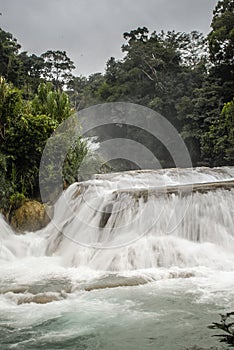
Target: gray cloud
x: 91, y: 30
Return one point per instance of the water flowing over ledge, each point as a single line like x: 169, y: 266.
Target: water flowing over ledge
x: 135, y: 252
x: 137, y: 220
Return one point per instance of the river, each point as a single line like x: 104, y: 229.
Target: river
x: 132, y: 260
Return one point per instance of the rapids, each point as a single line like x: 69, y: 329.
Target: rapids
x: 126, y: 257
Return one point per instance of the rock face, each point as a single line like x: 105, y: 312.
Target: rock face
x: 31, y: 216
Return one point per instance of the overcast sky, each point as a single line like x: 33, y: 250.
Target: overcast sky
x: 91, y: 31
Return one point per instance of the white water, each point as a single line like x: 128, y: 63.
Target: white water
x: 154, y: 248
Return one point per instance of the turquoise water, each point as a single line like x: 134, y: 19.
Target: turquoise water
x: 167, y: 313
x: 118, y: 269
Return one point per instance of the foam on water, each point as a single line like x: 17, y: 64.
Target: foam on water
x: 115, y: 260
x: 101, y: 225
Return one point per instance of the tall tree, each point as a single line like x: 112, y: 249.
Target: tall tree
x: 58, y: 68
x: 11, y: 106
x: 31, y: 71
x: 76, y: 92
x: 221, y: 45
x: 9, y: 62
x: 221, y: 38
x: 218, y: 142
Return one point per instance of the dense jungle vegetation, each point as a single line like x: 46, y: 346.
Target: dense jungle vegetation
x: 187, y: 77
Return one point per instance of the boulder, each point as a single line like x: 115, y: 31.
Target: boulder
x: 30, y: 216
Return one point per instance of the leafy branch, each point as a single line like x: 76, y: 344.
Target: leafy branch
x: 227, y: 326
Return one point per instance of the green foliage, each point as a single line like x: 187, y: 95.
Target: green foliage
x: 6, y: 188
x: 24, y: 142
x: 16, y: 200
x: 11, y: 104
x: 73, y: 161
x: 28, y: 71
x: 170, y: 73
x: 9, y: 62
x: 227, y: 325
x: 221, y: 46
x: 58, y: 67
x: 76, y: 92
x: 91, y: 164
x: 160, y: 70
x: 54, y: 104
x: 31, y: 69
x: 221, y: 38
x: 186, y: 77
x: 218, y: 142
x: 24, y: 130
x: 65, y: 152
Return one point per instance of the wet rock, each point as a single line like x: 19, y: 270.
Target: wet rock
x: 31, y: 216
x: 106, y: 215
x: 39, y: 299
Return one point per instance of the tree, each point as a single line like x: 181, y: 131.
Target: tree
x: 24, y: 143
x: 23, y: 137
x: 6, y: 188
x: 150, y: 53
x: 53, y: 103
x: 221, y: 46
x: 9, y: 62
x: 165, y: 68
x: 192, y: 48
x: 76, y: 92
x: 218, y: 142
x: 11, y: 105
x: 91, y: 94
x: 58, y: 68
x: 31, y: 69
x: 25, y: 127
x: 221, y: 38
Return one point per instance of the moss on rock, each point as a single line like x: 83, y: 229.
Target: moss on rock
x: 30, y: 216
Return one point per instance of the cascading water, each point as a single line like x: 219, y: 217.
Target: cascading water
x: 164, y: 235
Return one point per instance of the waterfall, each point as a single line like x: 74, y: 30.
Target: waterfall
x: 137, y: 220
